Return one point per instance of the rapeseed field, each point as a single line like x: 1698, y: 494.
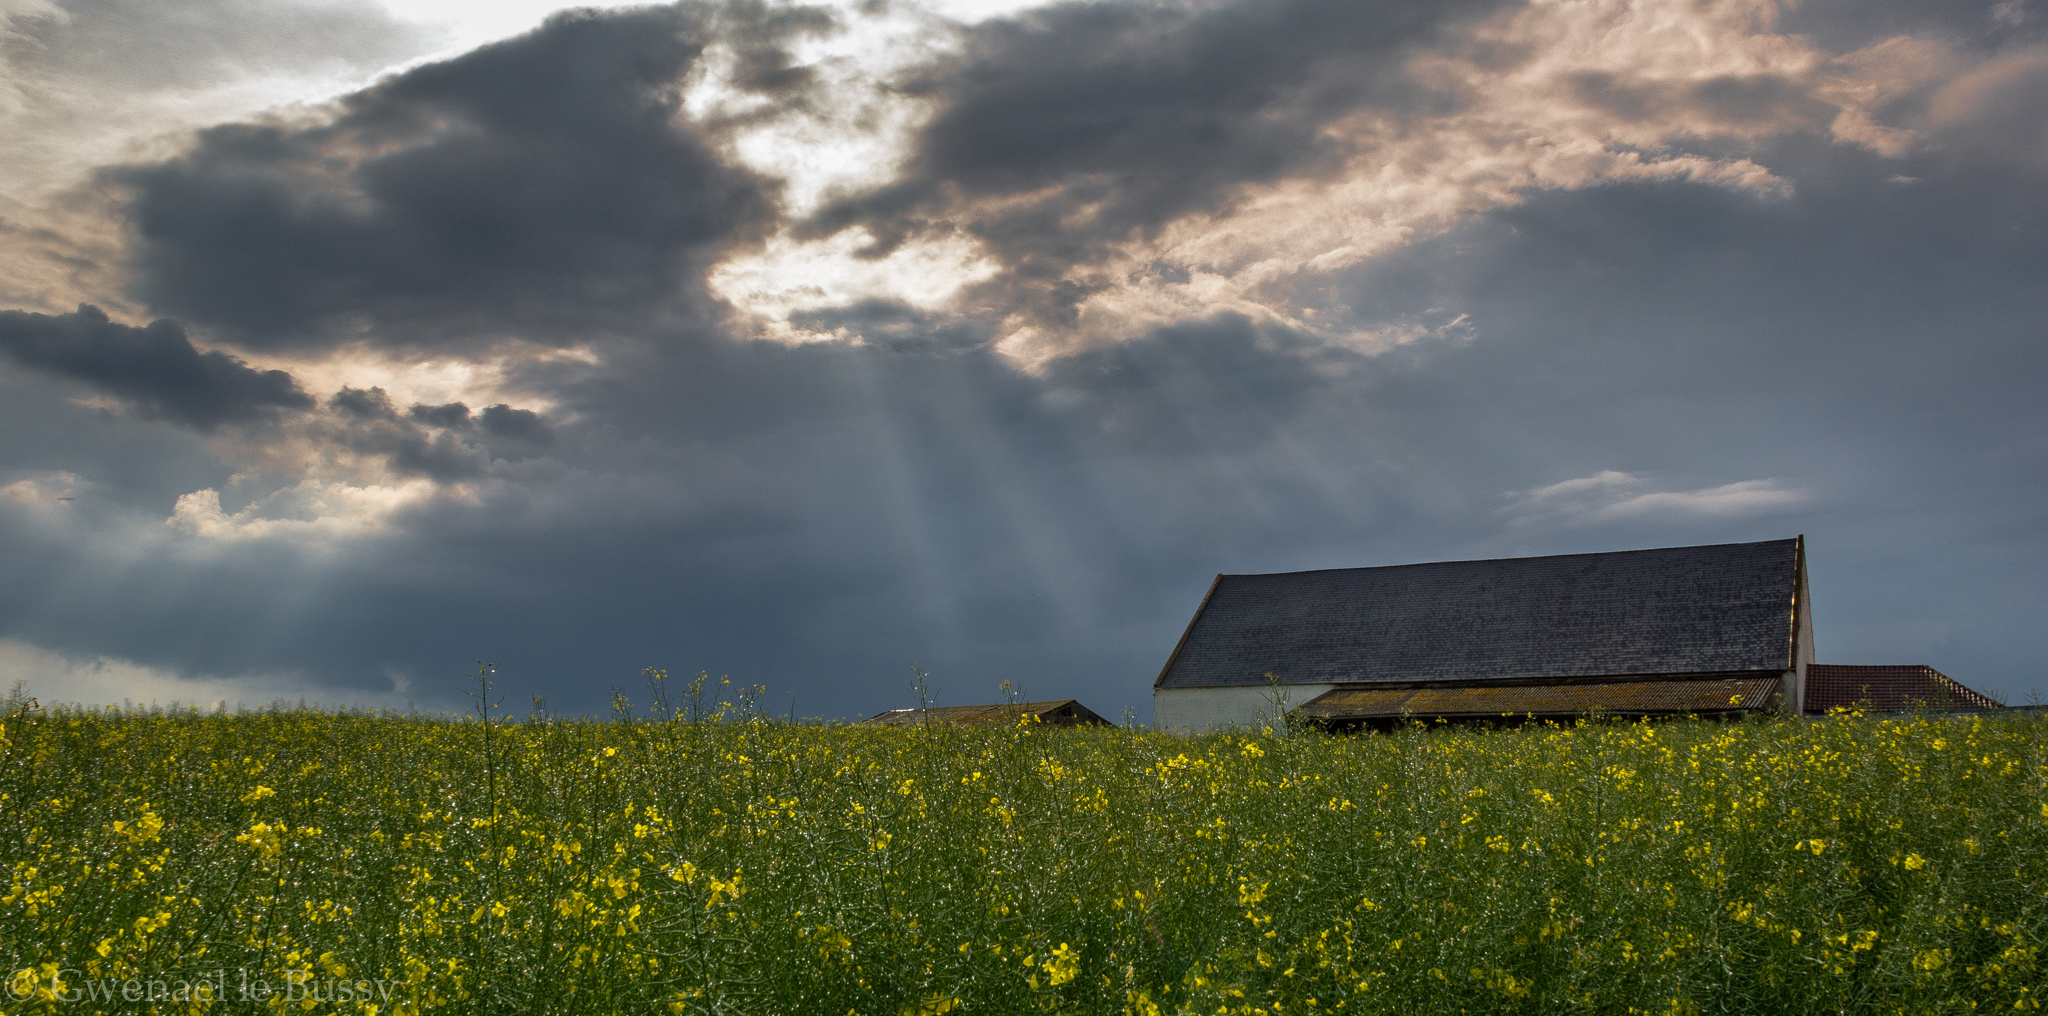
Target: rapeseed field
x: 301, y: 861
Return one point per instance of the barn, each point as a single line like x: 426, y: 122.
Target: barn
x: 1061, y: 713
x: 1676, y: 630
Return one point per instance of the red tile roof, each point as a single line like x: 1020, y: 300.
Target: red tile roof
x: 1887, y: 689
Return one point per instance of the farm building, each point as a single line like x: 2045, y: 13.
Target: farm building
x: 1889, y: 690
x: 1063, y: 713
x: 1723, y: 628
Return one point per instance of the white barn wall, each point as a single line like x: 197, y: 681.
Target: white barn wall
x: 1805, y: 654
x: 1199, y: 709
x: 1802, y: 638
x: 1791, y: 696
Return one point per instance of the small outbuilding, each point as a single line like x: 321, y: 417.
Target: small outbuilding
x: 1063, y: 713
x: 1897, y: 689
x: 1723, y: 628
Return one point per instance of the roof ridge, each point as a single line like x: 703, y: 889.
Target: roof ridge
x: 1493, y: 560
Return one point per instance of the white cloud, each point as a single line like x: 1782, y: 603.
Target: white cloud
x: 1992, y: 113
x: 1733, y: 500
x: 787, y: 276
x: 1612, y: 91
x: 472, y: 23
x: 310, y: 511
x: 477, y: 380
x: 1615, y: 496
x: 49, y: 490
x: 1528, y: 126
x: 63, y: 112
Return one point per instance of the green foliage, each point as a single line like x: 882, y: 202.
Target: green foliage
x: 689, y: 864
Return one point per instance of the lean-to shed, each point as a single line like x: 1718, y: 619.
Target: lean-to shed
x: 1894, y: 689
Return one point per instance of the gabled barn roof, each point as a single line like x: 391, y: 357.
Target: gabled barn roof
x: 1887, y: 689
x: 1726, y: 609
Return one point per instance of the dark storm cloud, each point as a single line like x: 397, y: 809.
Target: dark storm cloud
x: 155, y: 368
x: 409, y: 451
x: 1845, y: 25
x: 542, y: 188
x: 1104, y: 119
x: 365, y: 404
x: 1865, y: 349
x: 818, y: 518
x: 1196, y: 388
x: 516, y: 424
x: 929, y: 504
x: 452, y: 415
x: 430, y: 441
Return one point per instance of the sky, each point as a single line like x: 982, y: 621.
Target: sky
x: 344, y: 346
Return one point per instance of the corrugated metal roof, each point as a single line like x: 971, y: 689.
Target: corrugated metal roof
x: 1063, y: 713
x: 1718, y: 695
x: 1681, y: 610
x: 1887, y: 689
